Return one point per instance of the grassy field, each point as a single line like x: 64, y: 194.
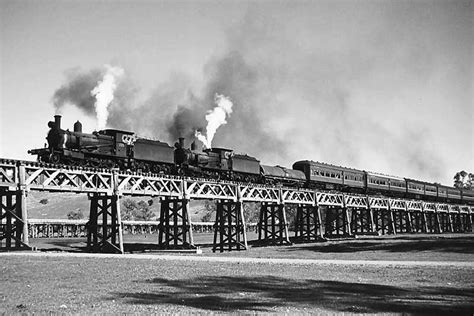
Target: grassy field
x: 421, y: 247
x: 131, y: 285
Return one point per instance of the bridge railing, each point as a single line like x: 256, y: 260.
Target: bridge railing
x: 59, y: 228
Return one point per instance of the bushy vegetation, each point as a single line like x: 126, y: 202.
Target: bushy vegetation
x: 464, y: 180
x: 44, y: 201
x: 77, y: 214
x: 251, y: 211
x: 138, y: 211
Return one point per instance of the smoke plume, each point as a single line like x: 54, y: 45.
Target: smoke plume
x: 104, y: 94
x: 334, y: 82
x: 77, y: 90
x: 215, y: 118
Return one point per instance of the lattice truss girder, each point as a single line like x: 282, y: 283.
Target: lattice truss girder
x: 378, y: 203
x: 292, y: 196
x: 442, y: 208
x: 149, y: 185
x: 429, y: 207
x: 259, y: 194
x: 8, y: 174
x: 464, y: 209
x: 414, y: 206
x: 329, y: 199
x: 454, y: 208
x: 210, y: 190
x: 397, y: 205
x: 68, y: 180
x: 356, y: 201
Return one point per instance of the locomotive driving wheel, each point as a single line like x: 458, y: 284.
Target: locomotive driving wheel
x: 55, y: 158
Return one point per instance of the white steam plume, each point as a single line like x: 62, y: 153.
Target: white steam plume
x: 104, y: 94
x: 215, y: 118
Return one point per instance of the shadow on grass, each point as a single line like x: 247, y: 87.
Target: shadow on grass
x: 264, y: 294
x: 453, y: 245
x: 60, y: 244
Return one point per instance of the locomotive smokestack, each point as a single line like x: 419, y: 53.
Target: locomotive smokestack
x: 78, y: 127
x: 57, y: 121
x: 181, y: 142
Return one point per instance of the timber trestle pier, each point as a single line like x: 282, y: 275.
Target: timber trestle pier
x: 319, y: 214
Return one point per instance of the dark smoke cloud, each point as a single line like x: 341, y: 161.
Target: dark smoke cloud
x: 184, y: 122
x: 77, y: 90
x: 306, y: 86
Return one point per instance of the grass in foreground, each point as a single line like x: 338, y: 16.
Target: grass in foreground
x: 96, y: 285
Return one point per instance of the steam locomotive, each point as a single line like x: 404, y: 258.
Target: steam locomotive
x: 111, y: 148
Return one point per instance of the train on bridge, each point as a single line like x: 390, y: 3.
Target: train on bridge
x: 112, y: 148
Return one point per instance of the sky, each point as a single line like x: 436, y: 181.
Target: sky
x: 385, y: 86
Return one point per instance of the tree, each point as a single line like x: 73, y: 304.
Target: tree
x: 210, y: 207
x: 133, y: 210
x: 128, y: 209
x: 77, y: 214
x: 251, y: 212
x: 464, y: 180
x: 143, y: 212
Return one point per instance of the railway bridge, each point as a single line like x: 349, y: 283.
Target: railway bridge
x: 319, y: 214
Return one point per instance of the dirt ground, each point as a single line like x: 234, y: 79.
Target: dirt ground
x: 44, y: 284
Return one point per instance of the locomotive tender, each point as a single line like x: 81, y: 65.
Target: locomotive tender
x: 113, y: 148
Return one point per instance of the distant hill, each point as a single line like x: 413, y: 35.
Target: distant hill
x: 42, y: 205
